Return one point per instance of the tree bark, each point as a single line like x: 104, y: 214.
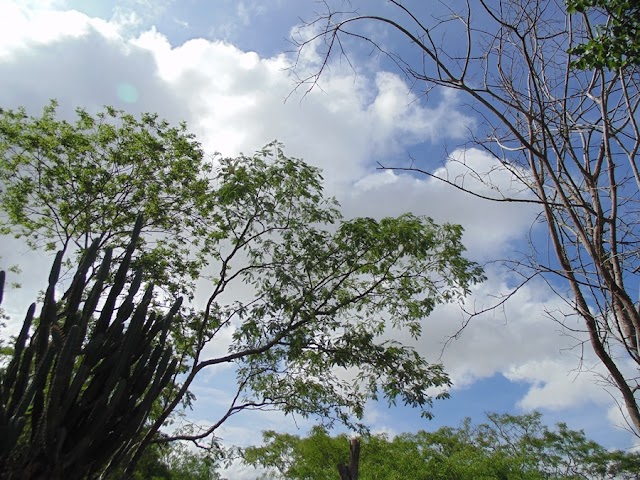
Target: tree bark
x: 350, y: 472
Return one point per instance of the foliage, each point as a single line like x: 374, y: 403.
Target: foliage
x: 323, y: 292
x: 308, y: 300
x: 616, y: 43
x: 174, y: 462
x: 75, y: 395
x: 567, y: 139
x: 513, y: 447
x: 64, y: 185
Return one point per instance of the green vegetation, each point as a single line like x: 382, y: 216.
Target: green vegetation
x: 175, y: 461
x: 65, y: 185
x: 506, y: 447
x: 87, y: 390
x: 567, y: 138
x: 320, y: 295
x: 613, y: 44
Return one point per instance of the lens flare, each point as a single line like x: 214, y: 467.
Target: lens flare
x: 127, y: 93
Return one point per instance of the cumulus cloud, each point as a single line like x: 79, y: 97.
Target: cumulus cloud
x: 517, y: 340
x: 237, y: 103
x: 504, y: 339
x: 490, y: 227
x: 22, y: 28
x: 556, y: 388
x: 233, y: 100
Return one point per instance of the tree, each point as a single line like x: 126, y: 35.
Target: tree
x: 65, y: 185
x: 616, y: 42
x: 507, y: 446
x: 188, y: 465
x: 317, y: 292
x: 568, y: 137
x: 175, y: 461
x: 324, y: 291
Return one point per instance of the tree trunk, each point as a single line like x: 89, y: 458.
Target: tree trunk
x: 350, y: 472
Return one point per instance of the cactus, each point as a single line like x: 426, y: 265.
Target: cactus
x: 75, y: 396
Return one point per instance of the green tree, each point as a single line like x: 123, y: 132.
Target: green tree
x: 175, y: 461
x: 615, y: 41
x: 507, y: 446
x: 64, y: 185
x: 320, y: 295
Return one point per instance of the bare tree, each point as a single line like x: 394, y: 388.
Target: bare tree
x: 570, y: 137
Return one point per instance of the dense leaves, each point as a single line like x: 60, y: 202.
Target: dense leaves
x: 175, y: 462
x: 63, y: 185
x: 507, y: 446
x: 313, y: 332
x: 616, y: 41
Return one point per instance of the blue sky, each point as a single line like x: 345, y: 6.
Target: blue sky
x: 224, y: 68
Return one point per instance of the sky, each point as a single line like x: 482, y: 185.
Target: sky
x: 224, y: 67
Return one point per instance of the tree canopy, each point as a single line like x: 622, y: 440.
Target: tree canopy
x: 66, y: 184
x: 517, y: 447
x: 614, y: 42
x: 308, y: 299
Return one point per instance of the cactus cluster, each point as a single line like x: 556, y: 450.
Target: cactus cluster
x: 75, y: 396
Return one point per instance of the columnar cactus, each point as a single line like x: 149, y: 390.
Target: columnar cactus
x: 76, y: 393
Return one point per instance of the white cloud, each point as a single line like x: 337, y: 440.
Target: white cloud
x: 397, y: 108
x: 618, y: 417
x: 234, y: 100
x: 490, y: 227
x: 237, y: 102
x: 243, y: 13
x: 136, y: 13
x: 22, y: 28
x: 557, y: 385
x: 518, y: 340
